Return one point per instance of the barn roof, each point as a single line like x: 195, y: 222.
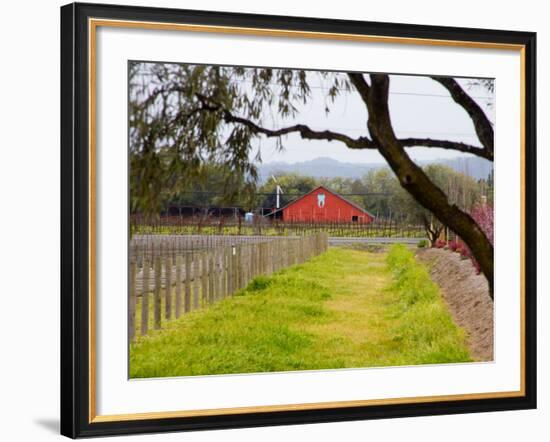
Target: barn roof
x: 351, y: 203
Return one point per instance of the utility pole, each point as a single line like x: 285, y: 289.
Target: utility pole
x: 278, y: 192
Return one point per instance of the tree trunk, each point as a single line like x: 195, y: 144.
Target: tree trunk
x: 413, y: 179
x: 432, y: 232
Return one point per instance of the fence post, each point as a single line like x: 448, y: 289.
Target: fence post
x: 288, y: 253
x: 145, y: 296
x: 275, y: 256
x: 223, y: 280
x: 238, y: 270
x: 242, y: 266
x: 178, y: 285
x: 250, y: 261
x: 132, y: 302
x: 280, y: 254
x: 261, y: 258
x: 226, y: 258
x: 210, y: 277
x: 246, y: 264
x: 270, y: 256
x: 230, y: 271
x: 219, y: 261
x: 251, y: 266
x: 254, y: 261
x: 157, y: 300
x: 258, y: 258
x: 235, y: 267
x: 204, y: 276
x: 168, y: 286
x: 187, y: 303
x: 216, y: 268
x: 196, y: 280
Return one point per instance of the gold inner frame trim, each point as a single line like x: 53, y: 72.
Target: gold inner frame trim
x: 93, y: 24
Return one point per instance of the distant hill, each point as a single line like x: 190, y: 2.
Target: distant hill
x: 478, y: 168
x: 324, y: 167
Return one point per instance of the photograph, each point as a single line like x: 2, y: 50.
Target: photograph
x: 284, y: 219
x: 275, y: 220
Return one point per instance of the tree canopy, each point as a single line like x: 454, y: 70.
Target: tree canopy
x: 183, y: 115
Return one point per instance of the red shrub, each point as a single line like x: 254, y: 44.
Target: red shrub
x: 440, y: 244
x: 453, y: 245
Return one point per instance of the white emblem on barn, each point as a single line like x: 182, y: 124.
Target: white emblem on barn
x: 321, y: 200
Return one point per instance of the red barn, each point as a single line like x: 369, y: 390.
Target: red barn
x: 323, y: 205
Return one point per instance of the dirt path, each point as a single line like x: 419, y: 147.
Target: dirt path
x: 359, y: 320
x: 467, y: 296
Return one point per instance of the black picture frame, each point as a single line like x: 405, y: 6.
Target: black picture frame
x: 75, y: 221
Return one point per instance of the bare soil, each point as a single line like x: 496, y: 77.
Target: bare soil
x: 467, y: 295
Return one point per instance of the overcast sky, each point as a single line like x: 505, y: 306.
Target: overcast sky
x: 419, y: 106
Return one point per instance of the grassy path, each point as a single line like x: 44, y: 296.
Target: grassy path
x: 345, y: 308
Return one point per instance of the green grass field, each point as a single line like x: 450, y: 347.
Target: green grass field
x: 345, y: 308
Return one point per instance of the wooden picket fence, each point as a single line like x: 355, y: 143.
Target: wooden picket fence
x: 168, y: 282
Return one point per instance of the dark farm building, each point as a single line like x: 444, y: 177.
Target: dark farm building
x: 322, y: 205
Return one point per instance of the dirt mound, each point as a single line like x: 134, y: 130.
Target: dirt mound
x: 467, y: 295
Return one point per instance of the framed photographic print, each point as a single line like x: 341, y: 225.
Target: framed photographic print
x: 274, y: 220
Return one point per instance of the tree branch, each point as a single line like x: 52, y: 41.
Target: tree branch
x: 445, y: 144
x: 483, y: 126
x: 305, y: 131
x: 358, y: 80
x: 353, y: 143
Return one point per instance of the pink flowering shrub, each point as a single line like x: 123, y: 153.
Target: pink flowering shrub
x: 453, y: 245
x: 483, y: 216
x: 465, y: 253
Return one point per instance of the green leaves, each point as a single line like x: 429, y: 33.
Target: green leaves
x: 177, y: 121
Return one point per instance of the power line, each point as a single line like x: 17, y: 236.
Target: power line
x: 418, y: 94
x: 391, y: 92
